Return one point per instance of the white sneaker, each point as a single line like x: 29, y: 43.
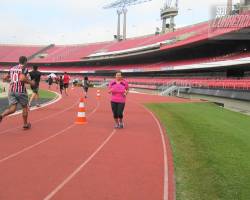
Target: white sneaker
x: 116, y: 126
x: 121, y: 125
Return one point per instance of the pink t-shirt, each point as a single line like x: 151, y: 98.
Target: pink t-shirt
x: 118, y: 90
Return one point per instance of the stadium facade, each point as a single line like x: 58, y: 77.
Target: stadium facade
x: 218, y: 49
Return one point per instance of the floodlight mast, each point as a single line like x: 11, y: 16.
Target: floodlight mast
x: 169, y: 11
x: 121, y: 6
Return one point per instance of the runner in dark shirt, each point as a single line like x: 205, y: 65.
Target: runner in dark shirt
x: 50, y: 81
x: 85, y: 86
x: 36, y: 76
x: 61, y: 84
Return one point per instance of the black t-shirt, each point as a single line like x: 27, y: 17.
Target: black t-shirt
x: 61, y: 82
x: 35, y: 75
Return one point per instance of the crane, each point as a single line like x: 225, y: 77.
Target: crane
x: 121, y: 6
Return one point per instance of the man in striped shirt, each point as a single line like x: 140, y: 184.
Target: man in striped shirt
x: 17, y: 90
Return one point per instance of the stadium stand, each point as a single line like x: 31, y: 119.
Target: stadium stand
x: 68, y: 53
x: 11, y: 53
x: 196, y: 56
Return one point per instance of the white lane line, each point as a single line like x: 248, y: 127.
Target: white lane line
x: 44, y: 140
x: 78, y: 169
x: 165, y: 159
x: 165, y: 183
x: 44, y: 105
x: 39, y: 120
x: 36, y: 144
x: 58, y: 98
x: 47, y: 117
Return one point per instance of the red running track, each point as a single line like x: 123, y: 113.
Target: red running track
x: 57, y: 159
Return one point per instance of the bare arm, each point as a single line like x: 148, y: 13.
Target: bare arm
x: 26, y: 80
x: 6, y: 77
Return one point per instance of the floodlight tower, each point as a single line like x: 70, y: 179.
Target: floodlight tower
x: 169, y: 11
x: 244, y: 5
x: 118, y: 35
x: 121, y: 6
x: 229, y: 7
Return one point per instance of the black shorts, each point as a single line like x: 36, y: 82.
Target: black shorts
x: 65, y: 85
x: 35, y: 89
x: 85, y: 89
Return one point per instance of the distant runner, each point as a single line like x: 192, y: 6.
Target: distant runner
x: 66, y: 79
x: 61, y: 84
x: 85, y: 85
x: 35, y: 75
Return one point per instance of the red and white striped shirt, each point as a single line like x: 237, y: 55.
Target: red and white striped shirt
x: 15, y: 84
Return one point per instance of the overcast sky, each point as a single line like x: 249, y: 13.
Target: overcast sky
x: 84, y: 21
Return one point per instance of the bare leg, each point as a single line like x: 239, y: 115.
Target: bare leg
x: 31, y: 98
x: 25, y: 115
x: 8, y: 111
x: 37, y: 99
x: 121, y: 125
x: 116, y: 123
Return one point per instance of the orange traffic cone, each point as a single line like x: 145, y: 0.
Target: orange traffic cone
x: 98, y: 94
x: 81, y: 116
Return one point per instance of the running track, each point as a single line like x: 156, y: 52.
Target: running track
x: 57, y: 159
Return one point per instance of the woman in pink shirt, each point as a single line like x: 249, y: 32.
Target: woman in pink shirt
x: 118, y: 90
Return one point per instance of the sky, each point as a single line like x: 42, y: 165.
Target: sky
x: 85, y: 21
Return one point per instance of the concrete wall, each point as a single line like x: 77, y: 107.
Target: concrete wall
x: 232, y: 94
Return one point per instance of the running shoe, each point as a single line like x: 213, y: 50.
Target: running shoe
x: 27, y: 126
x: 117, y: 126
x: 121, y: 125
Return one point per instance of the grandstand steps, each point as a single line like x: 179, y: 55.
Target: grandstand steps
x: 173, y: 90
x: 41, y: 51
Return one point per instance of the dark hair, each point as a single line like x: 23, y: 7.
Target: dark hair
x: 35, y: 67
x: 86, y: 78
x: 23, y: 60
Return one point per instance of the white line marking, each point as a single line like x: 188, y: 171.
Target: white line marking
x: 47, y: 117
x: 165, y: 183
x: 36, y: 144
x: 165, y: 160
x: 136, y: 92
x: 58, y: 98
x: 78, y: 169
x: 42, y: 106
x: 44, y: 140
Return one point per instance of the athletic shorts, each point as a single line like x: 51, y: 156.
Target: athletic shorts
x: 15, y: 98
x: 66, y: 85
x: 35, y: 89
x: 85, y: 89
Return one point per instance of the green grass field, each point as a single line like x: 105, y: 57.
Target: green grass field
x: 211, y: 148
x: 45, y: 94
